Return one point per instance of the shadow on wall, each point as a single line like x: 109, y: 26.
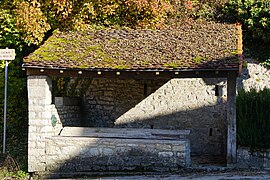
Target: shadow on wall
x: 68, y: 155
x: 198, y: 105
x: 108, y: 99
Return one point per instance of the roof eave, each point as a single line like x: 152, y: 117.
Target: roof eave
x: 131, y: 73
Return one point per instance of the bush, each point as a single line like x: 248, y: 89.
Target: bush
x: 79, y: 14
x: 208, y: 9
x: 253, y: 119
x: 253, y: 14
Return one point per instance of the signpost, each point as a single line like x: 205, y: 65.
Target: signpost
x: 6, y: 55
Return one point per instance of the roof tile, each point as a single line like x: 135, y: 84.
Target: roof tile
x: 200, y: 45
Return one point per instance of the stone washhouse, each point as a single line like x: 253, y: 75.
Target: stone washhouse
x: 125, y: 100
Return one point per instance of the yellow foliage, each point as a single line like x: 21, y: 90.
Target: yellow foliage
x: 62, y: 8
x: 32, y: 21
x: 81, y: 14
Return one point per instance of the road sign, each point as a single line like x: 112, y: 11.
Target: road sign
x: 7, y: 54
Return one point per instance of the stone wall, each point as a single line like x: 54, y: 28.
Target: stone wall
x: 43, y: 120
x: 81, y: 154
x: 198, y: 105
x: 256, y: 159
x: 254, y: 76
x: 257, y: 77
x: 69, y: 111
x: 107, y: 99
x: 194, y: 104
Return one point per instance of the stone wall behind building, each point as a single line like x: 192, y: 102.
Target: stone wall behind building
x: 194, y: 104
x: 247, y: 158
x: 69, y: 111
x: 254, y: 76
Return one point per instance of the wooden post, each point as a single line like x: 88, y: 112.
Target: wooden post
x: 231, y: 118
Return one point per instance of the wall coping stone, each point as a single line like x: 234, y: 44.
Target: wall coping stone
x: 129, y: 133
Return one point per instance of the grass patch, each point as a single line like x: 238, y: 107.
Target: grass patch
x: 171, y: 65
x: 198, y: 60
x: 13, y: 165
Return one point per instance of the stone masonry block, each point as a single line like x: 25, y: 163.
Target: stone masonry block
x: 39, y: 122
x: 66, y: 101
x: 40, y: 144
x: 101, y: 152
x: 164, y: 147
x: 165, y: 154
x: 36, y: 167
x: 31, y: 144
x: 107, y: 151
x: 39, y: 87
x: 36, y: 92
x: 180, y: 148
x: 70, y: 150
x: 39, y: 80
x: 51, y: 150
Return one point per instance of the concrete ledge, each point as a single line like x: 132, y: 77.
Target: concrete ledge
x: 128, y: 133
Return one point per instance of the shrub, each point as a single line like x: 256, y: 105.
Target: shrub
x: 254, y: 15
x: 81, y: 13
x: 208, y: 9
x: 253, y: 118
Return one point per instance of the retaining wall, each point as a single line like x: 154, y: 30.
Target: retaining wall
x: 247, y: 158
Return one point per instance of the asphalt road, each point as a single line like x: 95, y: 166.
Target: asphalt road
x: 235, y: 175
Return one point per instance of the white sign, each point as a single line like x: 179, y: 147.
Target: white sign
x: 7, y: 54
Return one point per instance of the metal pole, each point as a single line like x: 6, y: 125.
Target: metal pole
x: 5, y: 108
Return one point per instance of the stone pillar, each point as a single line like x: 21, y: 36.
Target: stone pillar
x: 40, y: 125
x: 231, y: 118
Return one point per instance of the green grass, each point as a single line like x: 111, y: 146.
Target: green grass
x: 14, y: 163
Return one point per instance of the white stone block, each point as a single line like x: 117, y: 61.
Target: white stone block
x: 70, y: 150
x: 39, y: 122
x: 178, y: 148
x: 165, y: 154
x: 163, y: 147
x: 31, y: 144
x: 53, y: 150
x: 45, y: 129
x: 32, y: 129
x: 94, y: 152
x: 107, y: 151
x: 180, y: 154
x: 40, y: 144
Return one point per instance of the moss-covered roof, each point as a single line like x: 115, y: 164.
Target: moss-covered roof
x: 199, y: 45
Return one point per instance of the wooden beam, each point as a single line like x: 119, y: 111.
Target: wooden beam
x: 231, y: 118
x: 123, y: 74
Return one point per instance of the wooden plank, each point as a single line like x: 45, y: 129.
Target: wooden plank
x: 129, y: 133
x: 231, y: 118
